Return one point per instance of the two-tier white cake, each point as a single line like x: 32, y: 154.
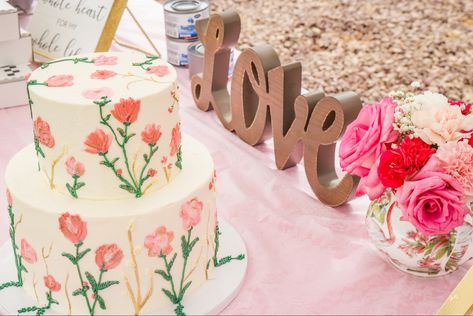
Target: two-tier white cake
x: 110, y: 212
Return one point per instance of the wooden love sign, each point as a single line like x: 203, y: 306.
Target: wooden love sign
x: 266, y: 94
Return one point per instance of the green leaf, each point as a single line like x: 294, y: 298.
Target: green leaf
x: 121, y: 132
x: 192, y: 244
x: 70, y: 257
x: 106, y: 164
x: 145, y: 157
x: 23, y: 268
x: 114, y: 161
x: 106, y: 118
x: 184, y: 289
x: 163, y: 274
x: 101, y: 302
x: 171, y: 263
x: 69, y: 188
x: 130, y: 136
x: 170, y: 296
x: 92, y: 281
x: 107, y: 284
x: 82, y: 254
x: 79, y: 185
x: 82, y: 291
x: 127, y: 187
x: 441, y: 253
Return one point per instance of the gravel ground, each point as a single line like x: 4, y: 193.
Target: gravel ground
x: 370, y: 47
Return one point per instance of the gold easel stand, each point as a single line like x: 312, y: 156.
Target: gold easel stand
x: 460, y: 301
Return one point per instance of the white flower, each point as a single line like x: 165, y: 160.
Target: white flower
x: 430, y: 99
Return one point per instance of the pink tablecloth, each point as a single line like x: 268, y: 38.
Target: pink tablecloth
x: 304, y: 257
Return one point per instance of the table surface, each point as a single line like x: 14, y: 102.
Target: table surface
x: 304, y: 257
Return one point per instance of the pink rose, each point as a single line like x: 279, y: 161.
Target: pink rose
x: 28, y: 253
x: 432, y: 201
x: 365, y: 138
x: 102, y: 60
x: 159, y: 71
x: 60, y: 81
x: 103, y: 74
x: 97, y: 94
x: 371, y: 184
x: 108, y: 257
x: 74, y: 167
x: 190, y: 213
x: 159, y: 242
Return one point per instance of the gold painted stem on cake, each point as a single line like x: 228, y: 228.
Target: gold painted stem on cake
x: 53, y: 167
x: 19, y: 222
x: 149, y: 186
x: 140, y: 79
x: 196, y: 264
x: 66, y: 291
x: 138, y: 301
x: 35, y: 290
x: 166, y: 174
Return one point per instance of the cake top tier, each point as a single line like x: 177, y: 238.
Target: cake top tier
x: 115, y: 75
x: 106, y: 125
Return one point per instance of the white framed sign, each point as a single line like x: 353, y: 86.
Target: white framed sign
x: 61, y: 28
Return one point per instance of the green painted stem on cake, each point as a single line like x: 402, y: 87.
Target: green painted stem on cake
x: 179, y: 158
x: 132, y: 185
x: 33, y: 83
x: 220, y: 262
x: 75, y: 186
x: 18, y: 259
x: 40, y: 310
x: 149, y: 61
x: 176, y: 297
x: 75, y: 60
x: 96, y: 292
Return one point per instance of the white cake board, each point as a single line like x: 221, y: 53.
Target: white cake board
x: 209, y: 299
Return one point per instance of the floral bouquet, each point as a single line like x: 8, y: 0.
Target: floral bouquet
x: 414, y: 155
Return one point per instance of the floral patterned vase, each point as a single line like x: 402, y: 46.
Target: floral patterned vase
x: 408, y: 249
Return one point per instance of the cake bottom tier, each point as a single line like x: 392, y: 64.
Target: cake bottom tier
x: 128, y: 256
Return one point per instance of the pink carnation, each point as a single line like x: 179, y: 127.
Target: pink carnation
x: 456, y: 159
x: 365, y: 138
x: 432, y: 200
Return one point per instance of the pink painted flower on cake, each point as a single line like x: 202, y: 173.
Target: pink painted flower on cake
x: 27, y: 252
x: 51, y: 283
x: 159, y: 242
x: 160, y: 70
x: 176, y: 139
x: 103, y: 60
x: 152, y: 172
x: 98, y: 142
x: 151, y: 134
x: 365, y: 138
x: 432, y: 200
x: 9, y: 198
x: 456, y: 159
x: 103, y: 74
x: 97, y: 94
x: 108, y: 257
x: 42, y: 132
x: 60, y: 81
x: 73, y: 227
x: 126, y: 111
x: 74, y: 167
x: 190, y: 213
